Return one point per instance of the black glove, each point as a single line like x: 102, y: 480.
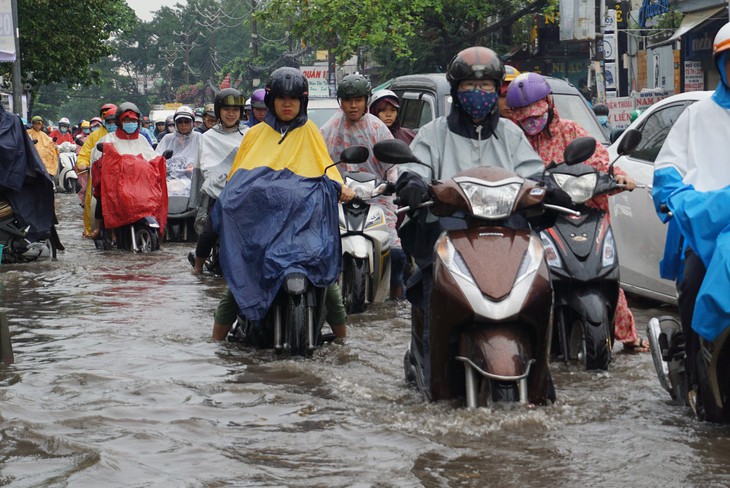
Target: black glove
x: 556, y: 196
x: 411, y: 190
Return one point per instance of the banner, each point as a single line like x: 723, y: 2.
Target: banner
x: 7, y: 32
x: 318, y: 77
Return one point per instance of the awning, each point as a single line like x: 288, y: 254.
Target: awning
x: 690, y: 21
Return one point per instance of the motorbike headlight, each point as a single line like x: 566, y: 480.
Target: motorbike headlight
x: 551, y: 252
x: 530, y: 261
x: 491, y: 202
x: 452, y: 259
x: 580, y: 188
x: 363, y: 190
x: 609, y: 250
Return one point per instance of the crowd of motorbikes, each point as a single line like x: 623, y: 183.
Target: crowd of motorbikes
x: 503, y: 301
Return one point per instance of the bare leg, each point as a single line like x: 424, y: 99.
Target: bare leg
x: 198, y: 267
x: 220, y: 331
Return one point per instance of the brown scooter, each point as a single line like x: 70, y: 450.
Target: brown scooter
x: 484, y: 328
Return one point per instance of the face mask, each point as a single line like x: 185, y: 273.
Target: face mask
x: 111, y: 127
x: 95, y: 128
x: 477, y: 103
x: 63, y: 130
x: 86, y: 131
x: 534, y: 125
x: 603, y: 119
x: 129, y: 127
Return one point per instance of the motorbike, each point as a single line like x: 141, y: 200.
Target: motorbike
x: 17, y: 248
x: 293, y: 323
x: 583, y: 262
x: 139, y: 232
x: 365, y: 243
x: 66, y: 178
x: 486, y: 332
x: 180, y: 213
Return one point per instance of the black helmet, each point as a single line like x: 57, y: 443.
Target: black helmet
x: 126, y: 107
x: 290, y: 82
x: 353, y: 86
x: 475, y: 63
x: 228, y: 97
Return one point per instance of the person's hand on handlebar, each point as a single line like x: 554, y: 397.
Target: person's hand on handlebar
x: 629, y: 183
x: 346, y: 194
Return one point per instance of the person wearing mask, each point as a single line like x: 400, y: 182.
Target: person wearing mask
x: 530, y: 98
x: 159, y: 129
x: 258, y: 107
x: 218, y: 147
x: 353, y: 125
x: 285, y: 145
x: 692, y: 178
x: 63, y: 133
x: 45, y: 146
x: 510, y: 73
x: 124, y: 136
x: 145, y: 130
x: 83, y: 161
x: 602, y: 113
x: 198, y: 122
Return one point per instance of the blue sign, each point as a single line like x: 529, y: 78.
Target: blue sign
x: 652, y: 8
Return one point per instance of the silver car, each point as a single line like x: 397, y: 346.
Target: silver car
x: 639, y: 233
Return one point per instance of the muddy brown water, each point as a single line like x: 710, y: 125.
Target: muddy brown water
x: 115, y: 383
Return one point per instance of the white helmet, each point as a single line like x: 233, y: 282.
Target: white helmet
x: 380, y: 94
x: 722, y: 41
x: 184, y: 112
x: 64, y: 121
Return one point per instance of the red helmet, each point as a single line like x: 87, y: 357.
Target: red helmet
x: 105, y: 108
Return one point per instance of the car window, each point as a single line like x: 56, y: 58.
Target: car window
x: 416, y: 110
x: 573, y: 107
x: 320, y: 115
x: 655, y: 128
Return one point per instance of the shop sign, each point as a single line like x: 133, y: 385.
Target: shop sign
x: 650, y: 9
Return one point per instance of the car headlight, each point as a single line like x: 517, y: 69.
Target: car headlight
x: 551, y: 252
x: 363, y: 190
x: 452, y: 259
x: 579, y: 188
x: 609, y: 250
x: 490, y: 202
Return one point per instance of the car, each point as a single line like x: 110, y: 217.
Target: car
x: 423, y: 97
x: 319, y: 110
x: 637, y: 230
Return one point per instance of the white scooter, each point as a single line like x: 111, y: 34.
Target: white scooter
x: 365, y: 244
x: 66, y: 178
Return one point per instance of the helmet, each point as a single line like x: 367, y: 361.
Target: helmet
x: 475, y: 63
x: 600, y: 109
x: 722, y: 41
x: 95, y: 120
x: 227, y: 97
x: 635, y: 114
x: 199, y: 112
x: 85, y: 124
x: 184, y: 112
x: 510, y: 73
x: 36, y: 118
x: 353, y: 86
x: 209, y: 109
x: 290, y: 82
x: 257, y: 98
x: 64, y: 121
x: 106, y: 107
x: 111, y: 114
x: 169, y: 120
x: 385, y: 95
x: 247, y: 104
x: 527, y: 89
x: 124, y: 108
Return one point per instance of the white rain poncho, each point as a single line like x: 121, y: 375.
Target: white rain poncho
x: 217, y: 151
x: 185, y: 151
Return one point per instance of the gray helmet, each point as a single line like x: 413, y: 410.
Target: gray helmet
x: 353, y: 86
x: 126, y: 107
x: 475, y: 63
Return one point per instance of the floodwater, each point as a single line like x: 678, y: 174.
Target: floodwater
x: 115, y: 383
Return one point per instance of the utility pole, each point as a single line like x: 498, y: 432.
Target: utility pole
x: 17, y: 82
x: 255, y: 31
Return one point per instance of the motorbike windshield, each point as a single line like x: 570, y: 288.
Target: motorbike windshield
x: 273, y: 223
x: 185, y: 150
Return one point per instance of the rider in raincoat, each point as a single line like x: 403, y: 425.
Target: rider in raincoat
x: 529, y: 97
x: 692, y: 178
x: 45, y: 146
x: 185, y: 145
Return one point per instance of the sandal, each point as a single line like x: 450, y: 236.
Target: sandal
x: 642, y: 346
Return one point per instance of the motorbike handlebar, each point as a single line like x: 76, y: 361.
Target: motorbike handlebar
x: 407, y: 209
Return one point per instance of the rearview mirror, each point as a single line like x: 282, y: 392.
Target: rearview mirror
x: 579, y: 150
x: 629, y: 142
x: 355, y: 155
x: 100, y: 146
x: 394, y: 151
x: 167, y: 154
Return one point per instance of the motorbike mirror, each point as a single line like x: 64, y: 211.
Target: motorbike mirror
x: 167, y: 154
x: 100, y: 146
x: 579, y: 150
x: 630, y: 140
x: 395, y: 151
x: 79, y: 141
x: 355, y: 155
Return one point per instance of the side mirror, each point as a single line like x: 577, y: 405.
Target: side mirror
x: 355, y: 155
x: 167, y: 154
x: 79, y: 142
x: 615, y: 134
x: 394, y: 151
x: 100, y: 146
x: 579, y: 150
x: 629, y: 142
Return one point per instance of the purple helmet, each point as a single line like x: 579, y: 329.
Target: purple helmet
x: 527, y: 89
x: 257, y: 98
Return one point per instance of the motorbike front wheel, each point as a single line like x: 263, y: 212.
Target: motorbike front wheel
x: 296, y: 321
x: 594, y: 344
x: 147, y: 240
x: 356, y: 285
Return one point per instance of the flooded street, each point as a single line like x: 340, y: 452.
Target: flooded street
x: 115, y: 383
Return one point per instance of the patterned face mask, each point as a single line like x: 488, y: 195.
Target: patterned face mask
x: 534, y: 125
x: 477, y: 103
